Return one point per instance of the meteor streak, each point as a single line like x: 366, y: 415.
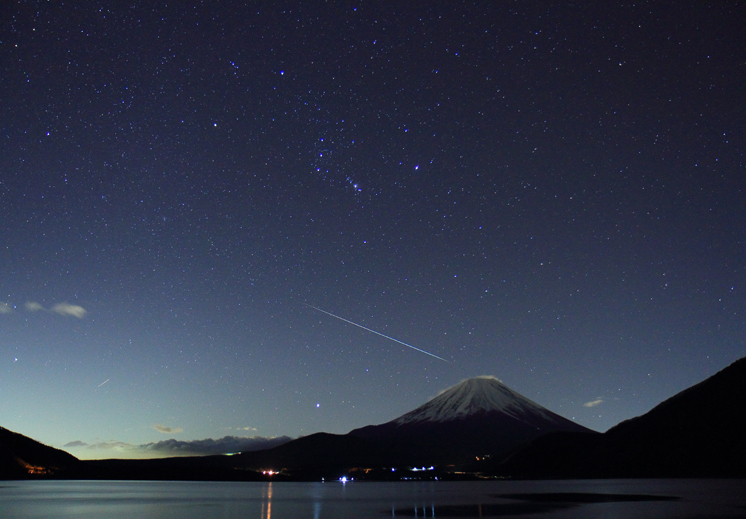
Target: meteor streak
x: 377, y: 333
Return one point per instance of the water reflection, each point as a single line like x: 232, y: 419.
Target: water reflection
x: 641, y: 499
x: 267, y: 502
x: 419, y: 511
x: 527, y: 503
x: 316, y: 495
x: 481, y: 510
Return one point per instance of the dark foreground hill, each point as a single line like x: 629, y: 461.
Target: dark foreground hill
x: 700, y: 432
x: 21, y: 457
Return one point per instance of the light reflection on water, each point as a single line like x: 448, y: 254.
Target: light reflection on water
x: 267, y: 501
x: 190, y: 500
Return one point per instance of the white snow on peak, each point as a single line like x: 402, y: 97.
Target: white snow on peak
x: 475, y: 395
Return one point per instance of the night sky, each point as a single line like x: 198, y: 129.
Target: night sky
x: 550, y: 193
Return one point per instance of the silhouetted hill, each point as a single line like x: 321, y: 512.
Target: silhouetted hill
x: 21, y: 457
x: 699, y: 432
x: 313, y: 456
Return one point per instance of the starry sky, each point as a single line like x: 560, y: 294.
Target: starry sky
x: 548, y: 192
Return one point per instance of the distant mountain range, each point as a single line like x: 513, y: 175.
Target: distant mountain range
x: 479, y: 427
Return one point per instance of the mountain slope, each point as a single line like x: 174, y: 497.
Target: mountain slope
x: 699, y: 432
x: 20, y: 456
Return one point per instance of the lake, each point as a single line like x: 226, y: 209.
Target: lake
x: 331, y: 500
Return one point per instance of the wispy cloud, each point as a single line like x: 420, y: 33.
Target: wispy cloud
x: 594, y: 403
x: 59, y: 308
x: 76, y: 443
x: 111, y: 445
x: 68, y: 309
x: 172, y: 447
x: 5, y: 308
x: 167, y: 430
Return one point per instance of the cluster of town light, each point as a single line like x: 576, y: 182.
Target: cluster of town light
x: 344, y: 479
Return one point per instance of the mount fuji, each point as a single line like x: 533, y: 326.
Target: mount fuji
x: 478, y: 417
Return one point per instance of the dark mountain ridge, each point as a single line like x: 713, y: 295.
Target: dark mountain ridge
x: 699, y: 432
x: 20, y: 457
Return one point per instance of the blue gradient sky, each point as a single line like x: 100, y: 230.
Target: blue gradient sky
x: 549, y: 193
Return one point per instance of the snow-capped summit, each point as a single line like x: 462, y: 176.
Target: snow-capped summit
x: 476, y: 396
x: 476, y: 417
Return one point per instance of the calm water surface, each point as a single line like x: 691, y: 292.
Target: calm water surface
x: 331, y: 500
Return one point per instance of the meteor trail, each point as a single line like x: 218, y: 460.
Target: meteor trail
x: 104, y: 382
x: 377, y: 333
